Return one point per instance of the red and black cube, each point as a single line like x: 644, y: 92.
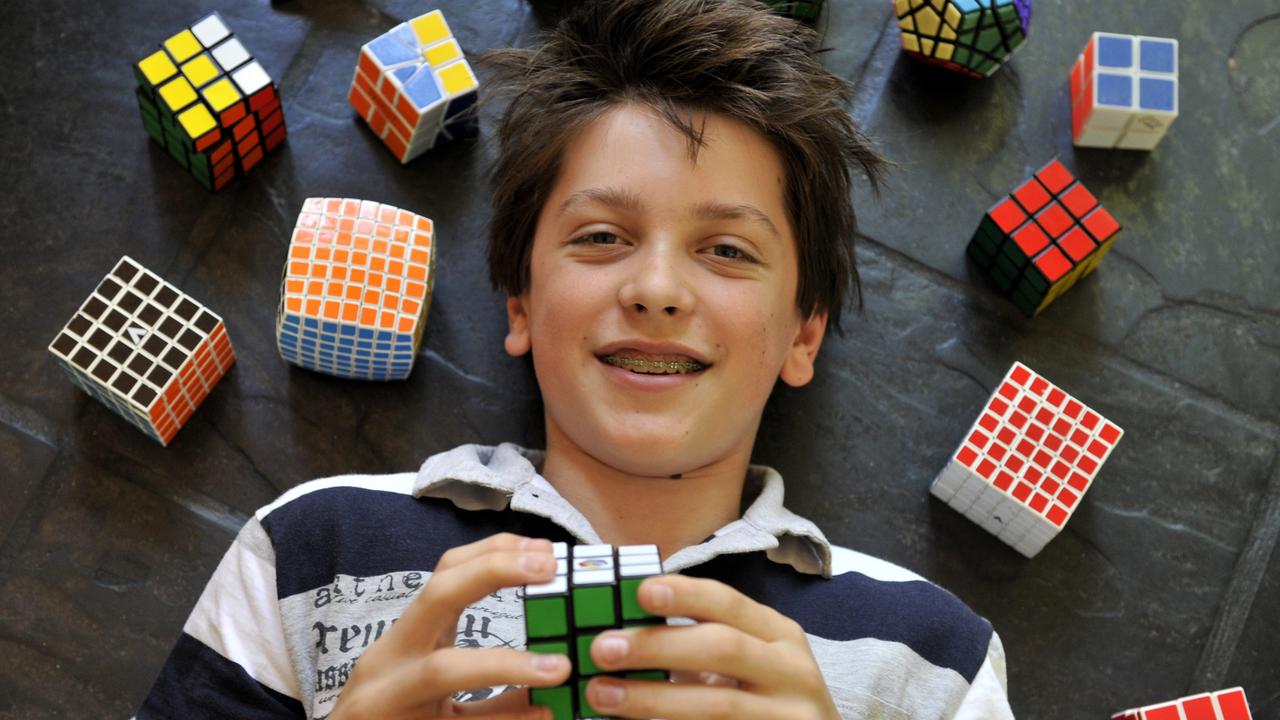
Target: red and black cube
x: 1046, y: 235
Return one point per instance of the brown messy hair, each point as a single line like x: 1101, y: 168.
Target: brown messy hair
x: 683, y: 57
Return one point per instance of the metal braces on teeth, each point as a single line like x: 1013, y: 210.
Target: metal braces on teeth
x: 641, y: 363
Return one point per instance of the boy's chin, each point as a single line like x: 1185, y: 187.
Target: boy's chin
x: 656, y: 455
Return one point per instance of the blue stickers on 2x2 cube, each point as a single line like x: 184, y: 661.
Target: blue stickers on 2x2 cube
x: 1157, y: 94
x: 1115, y: 90
x: 1115, y: 52
x: 1157, y: 55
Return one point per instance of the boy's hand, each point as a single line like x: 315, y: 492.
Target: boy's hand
x: 414, y: 669
x: 754, y: 662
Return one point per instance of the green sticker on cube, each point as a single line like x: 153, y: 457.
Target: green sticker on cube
x: 546, y: 617
x: 593, y: 606
x: 631, y: 609
x: 559, y: 699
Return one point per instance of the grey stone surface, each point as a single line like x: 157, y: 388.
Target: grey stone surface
x: 1164, y: 582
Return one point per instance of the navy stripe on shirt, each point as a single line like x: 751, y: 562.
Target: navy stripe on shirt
x: 196, y: 682
x: 935, y: 624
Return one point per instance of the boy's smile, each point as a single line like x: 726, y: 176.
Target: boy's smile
x: 661, y: 307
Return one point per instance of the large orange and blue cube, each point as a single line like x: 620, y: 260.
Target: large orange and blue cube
x: 356, y: 289
x: 1044, y: 237
x: 1124, y: 91
x: 207, y: 101
x: 594, y: 590
x: 414, y: 87
x: 973, y: 37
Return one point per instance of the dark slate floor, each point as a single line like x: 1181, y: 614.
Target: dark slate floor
x: 1165, y: 582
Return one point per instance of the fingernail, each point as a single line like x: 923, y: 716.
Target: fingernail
x: 608, y: 694
x: 548, y: 663
x: 660, y: 596
x: 536, y: 563
x: 613, y: 649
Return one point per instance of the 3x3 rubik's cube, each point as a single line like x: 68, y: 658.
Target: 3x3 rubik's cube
x: 144, y: 349
x: 1044, y: 237
x: 1027, y: 461
x: 414, y: 88
x: 206, y: 100
x: 594, y: 590
x: 356, y: 289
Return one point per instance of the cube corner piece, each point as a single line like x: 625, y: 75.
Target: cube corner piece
x: 1027, y: 461
x: 206, y: 100
x: 971, y: 37
x: 594, y: 590
x: 414, y: 87
x: 1124, y: 91
x: 145, y: 349
x: 356, y: 288
x: 1043, y: 238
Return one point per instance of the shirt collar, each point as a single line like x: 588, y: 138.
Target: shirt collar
x: 481, y: 477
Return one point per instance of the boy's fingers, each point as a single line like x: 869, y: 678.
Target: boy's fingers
x: 647, y: 699
x: 508, y: 542
x: 713, y: 601
x: 706, y: 647
x: 436, y: 610
x: 419, y: 687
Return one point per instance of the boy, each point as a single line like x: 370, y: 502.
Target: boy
x: 673, y: 228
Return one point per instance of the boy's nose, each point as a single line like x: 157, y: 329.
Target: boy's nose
x: 657, y: 286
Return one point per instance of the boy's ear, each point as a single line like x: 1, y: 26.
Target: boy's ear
x: 797, y: 367
x: 517, y: 342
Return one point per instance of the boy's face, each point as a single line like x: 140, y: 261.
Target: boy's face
x: 645, y: 261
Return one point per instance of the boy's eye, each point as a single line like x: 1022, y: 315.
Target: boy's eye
x: 596, y: 238
x: 731, y: 252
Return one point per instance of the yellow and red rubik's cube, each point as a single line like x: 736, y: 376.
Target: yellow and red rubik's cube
x: 414, y: 87
x: 1038, y: 242
x: 357, y: 287
x: 1221, y: 705
x: 206, y: 100
x: 1027, y: 461
x: 144, y: 349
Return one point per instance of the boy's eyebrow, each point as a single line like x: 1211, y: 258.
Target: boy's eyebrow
x: 710, y: 210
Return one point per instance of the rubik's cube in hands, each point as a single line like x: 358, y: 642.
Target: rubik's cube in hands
x: 1221, y: 705
x: 594, y: 590
x: 144, y: 349
x: 209, y: 103
x: 414, y: 87
x: 356, y: 290
x: 1027, y: 461
x: 1124, y: 91
x: 974, y: 37
x: 1039, y: 241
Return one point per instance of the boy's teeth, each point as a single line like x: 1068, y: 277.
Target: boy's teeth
x: 654, y: 367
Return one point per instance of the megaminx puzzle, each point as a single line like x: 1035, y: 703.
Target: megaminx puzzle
x: 357, y: 286
x: 144, y: 349
x: 209, y: 103
x: 1221, y: 705
x: 414, y: 88
x: 594, y: 590
x: 974, y: 37
x: 1039, y: 241
x: 1027, y: 461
